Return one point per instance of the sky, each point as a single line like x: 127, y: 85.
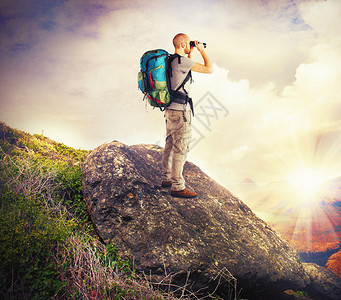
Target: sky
x: 270, y: 110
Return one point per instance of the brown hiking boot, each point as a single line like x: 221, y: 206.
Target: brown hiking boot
x: 166, y: 184
x: 184, y: 194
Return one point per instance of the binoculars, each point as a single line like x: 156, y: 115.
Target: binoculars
x: 192, y: 44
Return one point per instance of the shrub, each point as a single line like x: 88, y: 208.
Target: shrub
x: 32, y: 224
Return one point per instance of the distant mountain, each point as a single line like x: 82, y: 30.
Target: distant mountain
x: 249, y: 182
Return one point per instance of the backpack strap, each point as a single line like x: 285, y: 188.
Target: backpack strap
x: 179, y: 97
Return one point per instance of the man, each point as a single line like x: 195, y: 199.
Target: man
x: 178, y: 116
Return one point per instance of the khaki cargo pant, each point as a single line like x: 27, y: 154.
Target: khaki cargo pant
x: 178, y: 136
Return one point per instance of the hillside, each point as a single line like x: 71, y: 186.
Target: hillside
x: 48, y: 248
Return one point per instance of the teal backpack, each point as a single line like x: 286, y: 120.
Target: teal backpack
x: 154, y: 79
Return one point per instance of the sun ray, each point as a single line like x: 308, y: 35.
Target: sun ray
x: 302, y: 202
x: 307, y: 182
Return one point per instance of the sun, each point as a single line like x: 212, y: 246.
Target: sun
x: 307, y: 182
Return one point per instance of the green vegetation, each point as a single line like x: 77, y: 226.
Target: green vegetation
x: 48, y: 246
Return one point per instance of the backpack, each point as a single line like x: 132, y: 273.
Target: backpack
x: 154, y: 79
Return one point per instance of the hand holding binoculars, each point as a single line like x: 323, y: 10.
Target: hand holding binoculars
x: 192, y: 44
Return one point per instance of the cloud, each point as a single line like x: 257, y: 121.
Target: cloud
x: 267, y: 132
x: 261, y: 41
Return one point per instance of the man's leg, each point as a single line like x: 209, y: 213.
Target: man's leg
x: 175, y: 152
x: 179, y: 159
x: 181, y: 139
x: 172, y: 157
x: 167, y: 156
x: 180, y: 130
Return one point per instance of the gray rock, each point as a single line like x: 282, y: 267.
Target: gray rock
x: 324, y: 281
x: 195, y: 240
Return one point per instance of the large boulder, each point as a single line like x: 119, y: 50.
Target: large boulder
x: 324, y: 281
x: 198, y: 242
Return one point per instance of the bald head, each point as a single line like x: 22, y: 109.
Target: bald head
x: 180, y: 38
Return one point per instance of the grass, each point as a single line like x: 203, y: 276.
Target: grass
x: 48, y: 246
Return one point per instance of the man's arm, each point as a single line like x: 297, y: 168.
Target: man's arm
x: 207, y: 66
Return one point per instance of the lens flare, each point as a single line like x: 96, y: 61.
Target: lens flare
x: 303, y: 202
x: 307, y: 182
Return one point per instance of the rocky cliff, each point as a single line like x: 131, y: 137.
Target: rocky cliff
x: 197, y: 242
